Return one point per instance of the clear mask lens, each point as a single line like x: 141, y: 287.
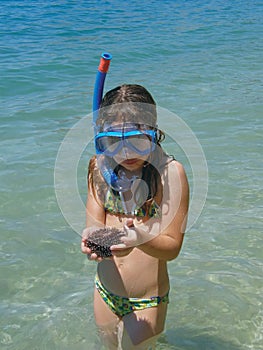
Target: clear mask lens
x: 111, y: 142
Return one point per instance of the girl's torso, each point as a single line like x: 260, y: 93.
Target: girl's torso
x: 138, y: 274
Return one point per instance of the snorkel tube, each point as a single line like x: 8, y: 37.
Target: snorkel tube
x: 118, y: 182
x: 99, y: 83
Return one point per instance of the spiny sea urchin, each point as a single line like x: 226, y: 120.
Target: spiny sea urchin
x: 100, y: 241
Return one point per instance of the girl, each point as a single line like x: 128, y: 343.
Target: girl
x: 150, y: 205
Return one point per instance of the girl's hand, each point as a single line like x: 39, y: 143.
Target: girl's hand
x: 134, y: 237
x: 136, y: 234
x: 122, y: 249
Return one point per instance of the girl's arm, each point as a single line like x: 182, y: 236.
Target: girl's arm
x: 95, y: 218
x: 168, y: 239
x: 167, y: 245
x: 95, y: 213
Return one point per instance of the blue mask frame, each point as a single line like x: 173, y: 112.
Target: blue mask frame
x: 121, y: 139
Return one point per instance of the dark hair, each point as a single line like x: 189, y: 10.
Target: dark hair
x: 129, y: 103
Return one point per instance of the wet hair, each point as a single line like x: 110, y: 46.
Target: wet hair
x: 129, y: 103
x: 127, y: 93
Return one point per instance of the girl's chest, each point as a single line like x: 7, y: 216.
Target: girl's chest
x: 119, y: 220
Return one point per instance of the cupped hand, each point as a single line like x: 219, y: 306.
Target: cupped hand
x: 134, y: 236
x: 122, y: 249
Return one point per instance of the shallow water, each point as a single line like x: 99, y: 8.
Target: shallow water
x: 200, y: 60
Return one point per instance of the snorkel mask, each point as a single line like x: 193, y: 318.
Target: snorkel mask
x: 114, y: 139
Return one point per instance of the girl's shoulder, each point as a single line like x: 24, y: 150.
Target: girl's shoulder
x: 174, y: 175
x: 173, y: 166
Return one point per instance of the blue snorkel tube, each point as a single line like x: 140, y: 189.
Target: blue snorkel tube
x: 118, y: 183
x: 99, y: 84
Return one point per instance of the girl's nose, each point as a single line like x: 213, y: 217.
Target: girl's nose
x: 126, y: 152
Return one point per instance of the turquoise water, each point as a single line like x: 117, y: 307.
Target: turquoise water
x: 201, y: 60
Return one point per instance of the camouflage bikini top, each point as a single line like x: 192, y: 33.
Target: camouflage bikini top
x: 114, y: 204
